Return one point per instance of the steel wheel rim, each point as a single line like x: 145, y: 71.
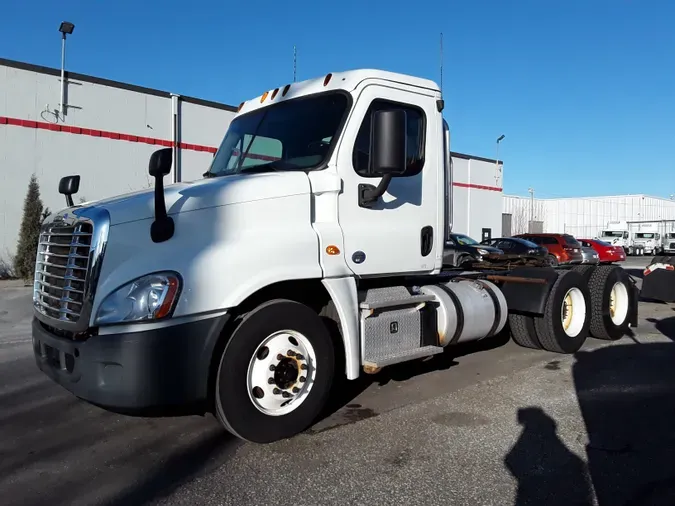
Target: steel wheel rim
x: 618, y: 303
x: 573, y: 312
x: 281, y: 373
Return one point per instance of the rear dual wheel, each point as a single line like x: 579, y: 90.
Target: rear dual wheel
x: 564, y: 326
x: 611, y: 300
x: 275, y: 373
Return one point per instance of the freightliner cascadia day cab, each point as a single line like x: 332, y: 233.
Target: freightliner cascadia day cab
x: 310, y: 253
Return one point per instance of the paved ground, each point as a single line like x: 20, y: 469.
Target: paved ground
x: 490, y: 424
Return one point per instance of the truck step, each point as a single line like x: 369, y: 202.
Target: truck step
x: 404, y: 356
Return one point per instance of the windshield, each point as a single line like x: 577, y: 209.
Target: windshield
x: 464, y: 240
x: 293, y: 135
x: 644, y: 235
x: 611, y: 233
x: 671, y: 235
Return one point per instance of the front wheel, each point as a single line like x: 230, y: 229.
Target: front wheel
x: 552, y: 260
x: 275, y: 373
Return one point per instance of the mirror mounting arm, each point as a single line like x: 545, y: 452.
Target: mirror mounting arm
x: 369, y: 194
x: 163, y: 227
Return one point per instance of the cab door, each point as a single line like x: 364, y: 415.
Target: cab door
x: 401, y: 231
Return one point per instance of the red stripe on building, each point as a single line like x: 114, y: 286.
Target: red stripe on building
x: 478, y: 187
x: 4, y: 120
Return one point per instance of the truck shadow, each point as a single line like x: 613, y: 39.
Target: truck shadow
x: 626, y: 396
x: 345, y: 392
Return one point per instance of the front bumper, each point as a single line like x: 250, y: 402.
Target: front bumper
x: 134, y: 371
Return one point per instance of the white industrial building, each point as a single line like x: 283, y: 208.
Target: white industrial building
x: 106, y: 131
x: 584, y: 217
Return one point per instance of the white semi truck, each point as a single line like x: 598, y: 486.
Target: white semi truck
x: 618, y: 233
x: 311, y: 251
x: 648, y: 238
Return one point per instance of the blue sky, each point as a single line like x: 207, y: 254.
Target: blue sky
x: 583, y: 89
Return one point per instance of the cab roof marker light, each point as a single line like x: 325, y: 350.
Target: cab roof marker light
x: 326, y: 79
x: 274, y: 93
x: 264, y: 96
x: 240, y: 106
x: 286, y: 88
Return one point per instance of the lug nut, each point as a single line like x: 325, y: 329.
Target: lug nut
x: 270, y: 381
x: 272, y: 367
x: 303, y: 367
x: 296, y: 390
x: 280, y: 356
x: 302, y: 379
x: 300, y: 357
x: 290, y: 353
x: 276, y: 391
x: 285, y: 395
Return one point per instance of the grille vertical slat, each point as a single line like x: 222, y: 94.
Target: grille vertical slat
x: 62, y: 266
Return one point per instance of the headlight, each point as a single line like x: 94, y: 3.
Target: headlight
x: 150, y: 297
x: 483, y: 251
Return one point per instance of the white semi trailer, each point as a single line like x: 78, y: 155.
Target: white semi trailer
x: 311, y: 250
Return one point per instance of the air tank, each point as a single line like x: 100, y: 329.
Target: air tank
x: 467, y: 310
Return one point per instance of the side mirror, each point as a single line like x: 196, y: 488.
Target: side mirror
x: 160, y: 165
x: 160, y: 162
x: 69, y: 186
x: 388, y: 153
x: 388, y: 142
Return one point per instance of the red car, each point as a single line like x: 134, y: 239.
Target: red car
x: 606, y: 251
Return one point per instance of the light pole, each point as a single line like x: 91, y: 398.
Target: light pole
x: 531, y: 192
x: 499, y: 139
x: 66, y: 28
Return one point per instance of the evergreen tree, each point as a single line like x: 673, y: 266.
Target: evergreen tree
x: 29, y: 235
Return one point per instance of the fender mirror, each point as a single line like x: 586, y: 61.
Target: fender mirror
x: 69, y: 186
x: 160, y: 165
x: 160, y: 162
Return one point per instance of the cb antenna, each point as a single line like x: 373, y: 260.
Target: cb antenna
x: 441, y: 64
x: 295, y: 63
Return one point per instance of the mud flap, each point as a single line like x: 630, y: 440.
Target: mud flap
x: 659, y: 283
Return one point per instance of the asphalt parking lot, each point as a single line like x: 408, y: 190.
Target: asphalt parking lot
x: 489, y: 424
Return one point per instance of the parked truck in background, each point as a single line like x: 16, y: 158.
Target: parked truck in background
x: 311, y: 251
x: 618, y: 233
x: 647, y: 238
x: 669, y: 243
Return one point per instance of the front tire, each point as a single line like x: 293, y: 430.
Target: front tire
x: 275, y: 373
x: 553, y: 261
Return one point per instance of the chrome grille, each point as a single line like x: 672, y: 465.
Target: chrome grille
x: 61, y: 270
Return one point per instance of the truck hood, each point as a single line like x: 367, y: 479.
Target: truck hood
x: 204, y: 193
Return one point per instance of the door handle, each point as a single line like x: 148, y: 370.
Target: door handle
x: 427, y: 240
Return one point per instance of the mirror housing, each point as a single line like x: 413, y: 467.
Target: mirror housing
x: 69, y: 186
x: 160, y: 162
x: 388, y: 153
x: 388, y: 142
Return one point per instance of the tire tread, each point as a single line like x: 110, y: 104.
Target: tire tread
x: 523, y: 331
